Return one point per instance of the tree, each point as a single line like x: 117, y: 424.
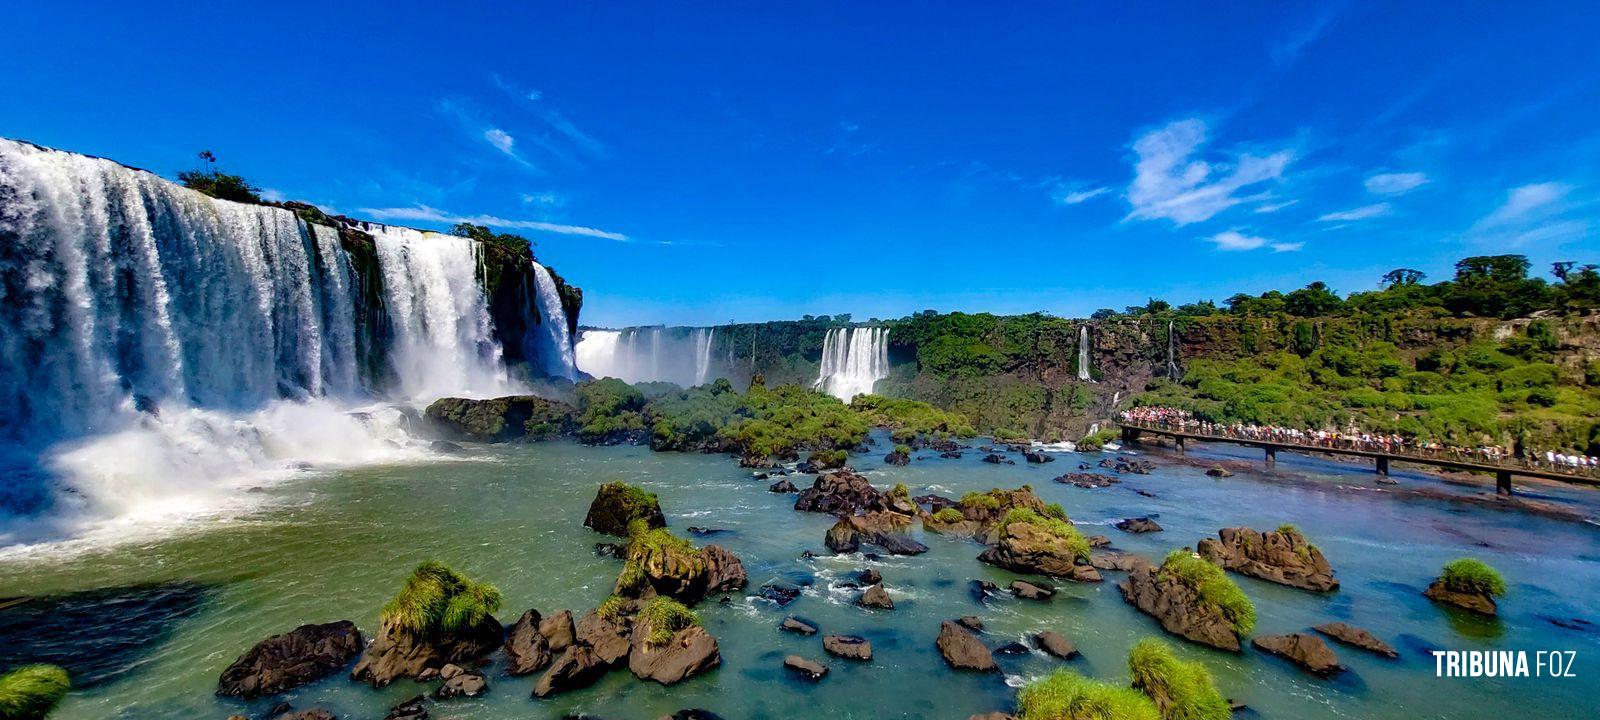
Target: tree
x: 1102, y: 314
x: 1403, y: 276
x: 481, y: 233
x: 1495, y: 268
x: 1312, y: 300
x: 218, y: 184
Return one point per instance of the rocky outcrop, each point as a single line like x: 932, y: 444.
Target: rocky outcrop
x: 1280, y: 556
x: 399, y: 652
x: 500, y: 419
x: 869, y: 576
x: 1036, y: 457
x: 897, y: 457
x: 1218, y: 471
x: 312, y: 714
x: 690, y: 652
x: 1480, y: 603
x: 1178, y: 608
x: 599, y: 645
x: 1303, y: 649
x: 1138, y: 525
x: 841, y: 493
x: 678, y: 570
x: 1032, y: 591
x: 1087, y: 481
x: 998, y: 459
x: 1357, y: 637
x: 971, y: 622
x: 783, y: 486
x: 460, y: 682
x: 850, y: 647
x: 808, y: 669
x: 527, y: 649
x: 843, y: 538
x: 1030, y: 548
x: 284, y: 662
x: 1120, y: 561
x: 876, y: 597
x: 414, y: 709
x: 797, y: 626
x: 618, y: 504
x: 558, y: 630
x: 887, y: 530
x: 963, y: 650
x: 1054, y: 644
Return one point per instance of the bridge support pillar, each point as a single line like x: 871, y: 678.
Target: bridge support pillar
x: 1502, y: 482
x: 1272, y: 456
x: 1383, y: 466
x: 1130, y: 435
x: 1179, y: 441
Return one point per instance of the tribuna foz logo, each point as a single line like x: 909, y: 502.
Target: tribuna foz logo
x: 1504, y: 663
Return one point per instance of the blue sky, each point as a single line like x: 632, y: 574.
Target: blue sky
x: 696, y: 163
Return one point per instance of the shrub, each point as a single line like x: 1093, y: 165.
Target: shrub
x: 30, y: 692
x: 612, y: 608
x: 1468, y: 575
x: 1010, y: 435
x: 1097, y: 439
x: 1057, y: 527
x: 984, y: 501
x: 1183, y: 690
x: 1066, y: 695
x: 1054, y: 510
x: 221, y: 185
x: 665, y: 617
x: 1213, y: 586
x: 438, y: 600
x: 948, y: 515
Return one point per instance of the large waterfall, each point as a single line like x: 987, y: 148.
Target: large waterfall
x: 679, y: 355
x: 555, y: 348
x: 161, y: 345
x: 1083, y: 352
x: 853, y: 360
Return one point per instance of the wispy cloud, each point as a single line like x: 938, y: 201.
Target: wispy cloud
x: 1532, y: 214
x: 1289, y: 50
x: 1526, y: 202
x: 1395, y: 183
x: 1235, y: 241
x: 545, y: 199
x: 534, y: 101
x: 1286, y: 246
x: 501, y: 139
x: 1077, y: 196
x: 1268, y: 208
x: 423, y: 213
x: 1171, y: 182
x: 1365, y: 212
x: 470, y: 121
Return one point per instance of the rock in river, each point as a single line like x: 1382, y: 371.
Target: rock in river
x: 1480, y: 603
x: 399, y: 652
x: 1138, y: 525
x: 852, y: 647
x: 1357, y: 637
x: 841, y: 493
x: 963, y: 650
x: 1281, y: 556
x: 1055, y: 644
x: 1303, y: 649
x: 283, y: 662
x: 460, y: 682
x: 527, y: 649
x: 1178, y: 607
x: 1028, y: 547
x: 797, y: 626
x: 876, y: 597
x: 690, y: 652
x: 808, y: 669
x: 617, y: 504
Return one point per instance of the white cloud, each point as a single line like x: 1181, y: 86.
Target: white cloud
x: 1233, y: 240
x: 548, y: 199
x: 273, y: 195
x: 1274, y: 207
x: 428, y: 214
x: 534, y: 95
x: 501, y: 140
x: 1287, y: 247
x: 1532, y: 214
x: 1170, y: 182
x: 1365, y: 212
x: 1524, y: 203
x: 1395, y: 183
x: 1077, y: 196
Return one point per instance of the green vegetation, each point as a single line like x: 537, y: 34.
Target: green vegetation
x: 903, y: 449
x: 665, y: 617
x: 218, y: 184
x: 984, y: 501
x: 515, y: 243
x: 1097, y: 439
x: 1213, y: 586
x: 30, y: 692
x: 1066, y: 695
x: 608, y: 407
x: 657, y: 548
x: 1060, y: 528
x: 1468, y: 575
x: 437, y: 600
x: 948, y: 515
x: 912, y: 417
x: 829, y: 458
x: 1182, y: 690
x: 613, y: 609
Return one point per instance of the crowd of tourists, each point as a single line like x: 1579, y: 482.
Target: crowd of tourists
x: 1388, y: 443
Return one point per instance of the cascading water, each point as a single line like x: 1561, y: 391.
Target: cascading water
x: 1083, y: 353
x: 555, y: 345
x: 682, y: 356
x: 1172, y: 362
x: 853, y: 361
x: 164, y: 349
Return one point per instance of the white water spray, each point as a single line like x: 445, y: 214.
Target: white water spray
x: 682, y: 356
x: 1083, y: 352
x: 555, y: 349
x: 853, y: 361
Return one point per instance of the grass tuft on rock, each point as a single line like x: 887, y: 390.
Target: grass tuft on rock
x: 30, y: 692
x: 1066, y: 695
x: 1051, y: 525
x: 665, y: 617
x: 948, y: 515
x: 1182, y: 690
x: 437, y: 600
x: 1213, y: 586
x: 612, y: 609
x: 986, y: 501
x: 1470, y: 575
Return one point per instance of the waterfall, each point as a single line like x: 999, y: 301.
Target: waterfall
x: 555, y: 345
x: 163, y: 347
x: 1172, y: 364
x: 1083, y: 352
x: 853, y: 360
x: 682, y: 356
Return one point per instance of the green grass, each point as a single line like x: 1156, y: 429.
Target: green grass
x: 986, y: 501
x: 665, y: 617
x: 903, y: 449
x: 438, y: 600
x: 612, y: 609
x: 30, y: 692
x: 948, y: 515
x: 1076, y: 543
x: 1066, y: 695
x: 1055, y: 510
x: 1190, y: 692
x: 1468, y: 575
x: 652, y: 547
x: 1213, y: 586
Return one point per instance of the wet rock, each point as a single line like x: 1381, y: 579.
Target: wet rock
x: 995, y: 459
x: 1282, y: 557
x: 1012, y: 648
x: 1032, y: 591
x: 527, y: 650
x: 414, y: 709
x: 283, y: 662
x: 1303, y: 649
x: 971, y: 622
x: 1218, y: 471
x: 1357, y: 637
x: 843, y: 538
x: 982, y: 590
x: 1098, y: 541
x: 1087, y: 481
x: 963, y: 650
x: 499, y: 419
x: 783, y: 486
x: 1138, y: 525
x: 1054, y: 644
x: 312, y: 714
x: 885, y: 530
x: 1178, y: 608
x: 1036, y: 457
x: 797, y: 626
x: 704, y: 531
x: 841, y: 493
x: 439, y: 446
x: 692, y: 714
x: 808, y: 669
x: 1121, y: 561
x: 951, y: 454
x: 680, y: 571
x: 1475, y: 602
x: 852, y: 647
x: 617, y: 504
x: 876, y: 597
x: 935, y: 503
x: 897, y: 458
x: 869, y: 576
x: 780, y: 594
x: 615, y: 550
x: 598, y: 646
x: 1026, y: 548
x: 558, y: 630
x: 460, y: 682
x: 398, y: 652
x: 691, y: 651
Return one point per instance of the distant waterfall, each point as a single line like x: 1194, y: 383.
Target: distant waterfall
x: 853, y: 360
x: 555, y: 349
x: 1172, y: 344
x: 1083, y: 352
x: 682, y: 356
